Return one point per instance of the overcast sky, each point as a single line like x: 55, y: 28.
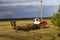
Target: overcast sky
x: 29, y: 2
x: 3, y: 11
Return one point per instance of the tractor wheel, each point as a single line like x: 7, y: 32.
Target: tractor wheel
x: 43, y: 24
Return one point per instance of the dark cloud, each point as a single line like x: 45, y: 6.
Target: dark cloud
x: 5, y: 13
x: 17, y: 1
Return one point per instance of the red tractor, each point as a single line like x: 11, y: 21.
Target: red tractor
x: 37, y: 24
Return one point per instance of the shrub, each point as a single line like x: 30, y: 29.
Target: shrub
x: 55, y: 19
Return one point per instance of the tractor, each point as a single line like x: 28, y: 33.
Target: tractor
x: 37, y: 24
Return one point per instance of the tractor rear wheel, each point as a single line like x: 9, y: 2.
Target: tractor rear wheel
x: 43, y: 24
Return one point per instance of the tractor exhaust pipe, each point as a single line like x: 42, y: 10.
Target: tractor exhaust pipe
x: 41, y: 10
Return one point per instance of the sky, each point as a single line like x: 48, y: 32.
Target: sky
x: 28, y: 2
x: 24, y: 2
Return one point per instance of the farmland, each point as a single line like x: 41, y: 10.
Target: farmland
x: 8, y: 33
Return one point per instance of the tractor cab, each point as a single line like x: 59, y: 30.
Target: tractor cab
x: 36, y: 21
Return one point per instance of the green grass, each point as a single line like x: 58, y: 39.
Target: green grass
x: 8, y: 33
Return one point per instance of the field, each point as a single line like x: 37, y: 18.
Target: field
x: 8, y: 33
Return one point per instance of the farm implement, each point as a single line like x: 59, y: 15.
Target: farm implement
x: 36, y: 25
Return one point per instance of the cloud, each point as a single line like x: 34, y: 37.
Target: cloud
x: 59, y: 1
x: 5, y: 13
x: 18, y: 0
x: 51, y: 2
x: 27, y: 2
x: 16, y: 4
x: 32, y: 10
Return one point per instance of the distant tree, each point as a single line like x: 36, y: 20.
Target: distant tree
x: 55, y: 19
